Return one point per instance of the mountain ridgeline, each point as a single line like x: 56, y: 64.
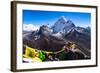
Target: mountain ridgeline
x: 54, y: 38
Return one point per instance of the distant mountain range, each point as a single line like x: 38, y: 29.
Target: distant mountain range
x: 54, y: 38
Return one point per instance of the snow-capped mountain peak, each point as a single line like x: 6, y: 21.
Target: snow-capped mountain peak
x: 62, y: 18
x: 62, y: 24
x: 69, y: 22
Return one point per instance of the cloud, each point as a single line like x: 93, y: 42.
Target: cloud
x: 30, y: 27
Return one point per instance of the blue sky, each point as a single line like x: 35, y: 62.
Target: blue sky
x: 50, y: 17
